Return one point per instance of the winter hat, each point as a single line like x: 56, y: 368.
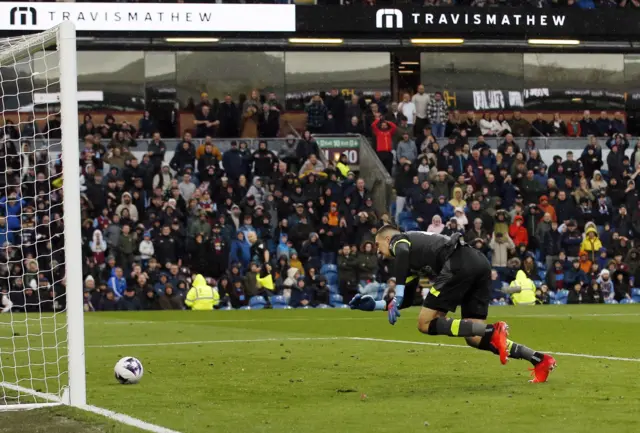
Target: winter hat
x: 147, y: 234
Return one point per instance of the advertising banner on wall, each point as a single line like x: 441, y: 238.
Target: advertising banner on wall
x: 148, y: 17
x: 467, y: 22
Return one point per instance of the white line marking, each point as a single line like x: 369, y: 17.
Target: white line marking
x: 424, y: 343
x: 126, y: 419
x: 188, y: 343
x: 22, y: 389
x: 378, y: 340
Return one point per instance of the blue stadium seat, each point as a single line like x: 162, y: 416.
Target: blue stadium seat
x: 332, y: 278
x: 257, y: 303
x: 538, y: 283
x: 627, y: 301
x: 409, y: 225
x: 610, y: 301
x: 562, y: 296
x: 405, y: 216
x: 278, y: 302
x: 333, y: 289
x: 328, y: 268
x: 541, y: 266
x: 322, y: 306
x: 635, y: 295
x: 335, y: 300
x: 543, y: 274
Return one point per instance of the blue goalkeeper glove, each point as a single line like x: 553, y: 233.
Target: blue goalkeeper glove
x: 393, y: 309
x: 364, y: 303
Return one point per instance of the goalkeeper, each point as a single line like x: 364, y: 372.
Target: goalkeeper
x: 462, y: 277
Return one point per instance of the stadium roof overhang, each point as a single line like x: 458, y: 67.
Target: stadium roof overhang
x: 209, y: 26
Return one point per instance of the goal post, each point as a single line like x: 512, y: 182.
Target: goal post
x: 42, y: 359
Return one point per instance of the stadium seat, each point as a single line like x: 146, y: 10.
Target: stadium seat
x: 333, y: 289
x: 278, y: 302
x: 322, y: 306
x: 538, y: 283
x: 257, y: 303
x: 543, y: 274
x: 332, y: 278
x: 328, y: 268
x: 562, y: 296
x: 635, y: 295
x: 336, y: 300
x: 409, y: 225
x: 541, y: 266
x: 405, y: 216
x: 627, y: 301
x: 610, y: 301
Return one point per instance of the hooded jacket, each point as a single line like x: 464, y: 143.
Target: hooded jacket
x: 519, y: 234
x: 201, y: 296
x: 591, y: 246
x: 527, y: 295
x: 457, y: 200
x: 133, y: 210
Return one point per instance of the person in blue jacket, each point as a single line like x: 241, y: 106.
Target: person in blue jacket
x: 11, y: 208
x: 117, y: 283
x: 240, y: 251
x: 445, y: 208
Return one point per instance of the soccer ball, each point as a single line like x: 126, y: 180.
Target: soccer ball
x: 128, y: 371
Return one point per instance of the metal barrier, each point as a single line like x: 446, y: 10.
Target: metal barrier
x: 276, y: 143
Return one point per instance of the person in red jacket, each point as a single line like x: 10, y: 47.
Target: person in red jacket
x: 384, y: 130
x: 518, y: 232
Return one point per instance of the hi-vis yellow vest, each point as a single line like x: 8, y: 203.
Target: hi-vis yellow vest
x: 201, y: 297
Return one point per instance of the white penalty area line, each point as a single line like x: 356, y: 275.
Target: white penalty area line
x: 377, y: 340
x: 56, y: 401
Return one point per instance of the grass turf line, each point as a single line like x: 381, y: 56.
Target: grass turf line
x: 363, y: 386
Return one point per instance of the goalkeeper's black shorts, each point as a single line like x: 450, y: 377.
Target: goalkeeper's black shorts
x: 465, y: 280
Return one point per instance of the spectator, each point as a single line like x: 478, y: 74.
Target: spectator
x: 436, y: 225
x: 146, y: 126
x: 574, y: 128
x: 603, y: 125
x: 421, y: 101
x: 408, y: 109
x: 250, y: 119
x: 336, y: 110
x: 205, y: 122
x: 540, y: 127
x: 384, y: 132
x: 518, y: 232
x: 269, y: 122
x: 520, y: 127
x: 228, y: 116
x: 438, y: 112
x: 347, y: 273
x: 587, y: 125
x: 557, y: 127
x: 316, y: 115
x: 406, y: 150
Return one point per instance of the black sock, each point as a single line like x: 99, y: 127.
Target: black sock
x: 519, y: 351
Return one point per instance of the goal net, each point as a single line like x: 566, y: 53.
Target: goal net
x: 41, y: 324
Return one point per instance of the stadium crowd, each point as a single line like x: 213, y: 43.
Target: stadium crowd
x: 279, y: 227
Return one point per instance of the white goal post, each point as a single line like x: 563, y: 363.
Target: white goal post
x: 42, y: 360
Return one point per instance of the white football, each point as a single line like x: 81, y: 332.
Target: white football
x: 128, y: 371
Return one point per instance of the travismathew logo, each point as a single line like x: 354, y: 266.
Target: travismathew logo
x: 23, y: 16
x: 486, y: 19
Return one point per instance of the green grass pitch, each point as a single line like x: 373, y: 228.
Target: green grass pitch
x: 318, y: 371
